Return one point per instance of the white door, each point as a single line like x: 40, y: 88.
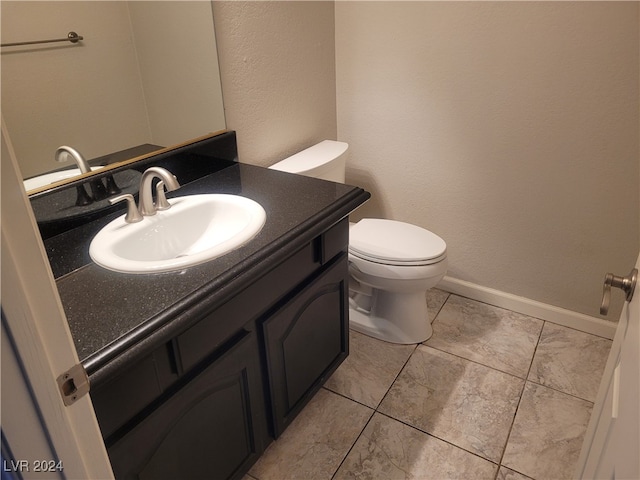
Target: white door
x: 612, y: 443
x: 42, y: 438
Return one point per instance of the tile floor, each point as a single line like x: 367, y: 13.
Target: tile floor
x: 493, y: 394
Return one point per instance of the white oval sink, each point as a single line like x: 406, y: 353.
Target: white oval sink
x: 196, y: 229
x: 53, y: 177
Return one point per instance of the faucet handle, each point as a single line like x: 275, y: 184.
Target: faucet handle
x: 133, y: 215
x: 161, y: 199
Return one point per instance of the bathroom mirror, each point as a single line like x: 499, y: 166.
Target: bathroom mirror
x: 144, y: 77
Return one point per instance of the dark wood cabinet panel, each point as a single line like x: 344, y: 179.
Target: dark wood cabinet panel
x: 334, y: 241
x: 211, y: 428
x: 305, y: 341
x: 126, y: 395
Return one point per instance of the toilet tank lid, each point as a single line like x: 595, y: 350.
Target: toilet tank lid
x: 312, y: 157
x: 391, y: 240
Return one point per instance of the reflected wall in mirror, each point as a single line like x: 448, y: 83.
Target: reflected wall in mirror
x: 145, y: 74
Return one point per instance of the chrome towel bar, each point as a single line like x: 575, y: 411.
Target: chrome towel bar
x: 72, y: 37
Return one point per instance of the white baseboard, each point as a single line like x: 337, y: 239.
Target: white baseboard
x: 543, y: 311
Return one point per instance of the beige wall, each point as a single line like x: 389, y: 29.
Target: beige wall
x: 508, y: 128
x: 277, y: 63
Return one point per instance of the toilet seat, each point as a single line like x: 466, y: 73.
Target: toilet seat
x: 390, y: 242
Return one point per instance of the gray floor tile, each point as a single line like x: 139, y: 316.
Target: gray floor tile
x: 493, y: 336
x: 390, y: 450
x: 547, y: 433
x: 435, y: 300
x: 507, y: 474
x: 369, y: 370
x: 316, y: 442
x: 570, y: 361
x: 462, y: 402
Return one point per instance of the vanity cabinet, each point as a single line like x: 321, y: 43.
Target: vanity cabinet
x: 206, y: 403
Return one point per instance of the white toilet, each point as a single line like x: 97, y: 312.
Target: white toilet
x: 392, y: 264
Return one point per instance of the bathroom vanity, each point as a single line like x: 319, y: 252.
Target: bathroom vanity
x: 194, y: 372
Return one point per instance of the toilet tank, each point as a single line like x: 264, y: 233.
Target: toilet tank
x: 325, y: 160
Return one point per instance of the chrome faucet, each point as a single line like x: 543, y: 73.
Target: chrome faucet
x: 146, y: 207
x: 63, y: 152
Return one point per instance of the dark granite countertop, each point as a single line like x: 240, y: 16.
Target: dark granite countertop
x: 116, y: 318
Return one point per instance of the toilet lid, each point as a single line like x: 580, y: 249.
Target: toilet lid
x: 393, y: 242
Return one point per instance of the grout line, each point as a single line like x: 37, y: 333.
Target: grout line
x: 524, y: 385
x: 415, y: 347
x: 348, y: 398
x: 438, y: 438
x: 353, y: 445
x: 441, y: 306
x: 359, y: 434
x: 562, y: 392
x: 477, y: 362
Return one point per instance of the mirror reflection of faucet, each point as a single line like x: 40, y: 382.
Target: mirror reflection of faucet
x: 63, y: 153
x: 99, y: 190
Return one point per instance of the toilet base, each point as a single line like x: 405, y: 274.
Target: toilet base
x: 393, y: 317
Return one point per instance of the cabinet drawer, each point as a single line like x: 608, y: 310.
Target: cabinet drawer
x: 305, y: 341
x: 333, y: 241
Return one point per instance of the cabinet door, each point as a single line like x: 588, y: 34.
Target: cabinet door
x: 212, y: 427
x: 305, y: 342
